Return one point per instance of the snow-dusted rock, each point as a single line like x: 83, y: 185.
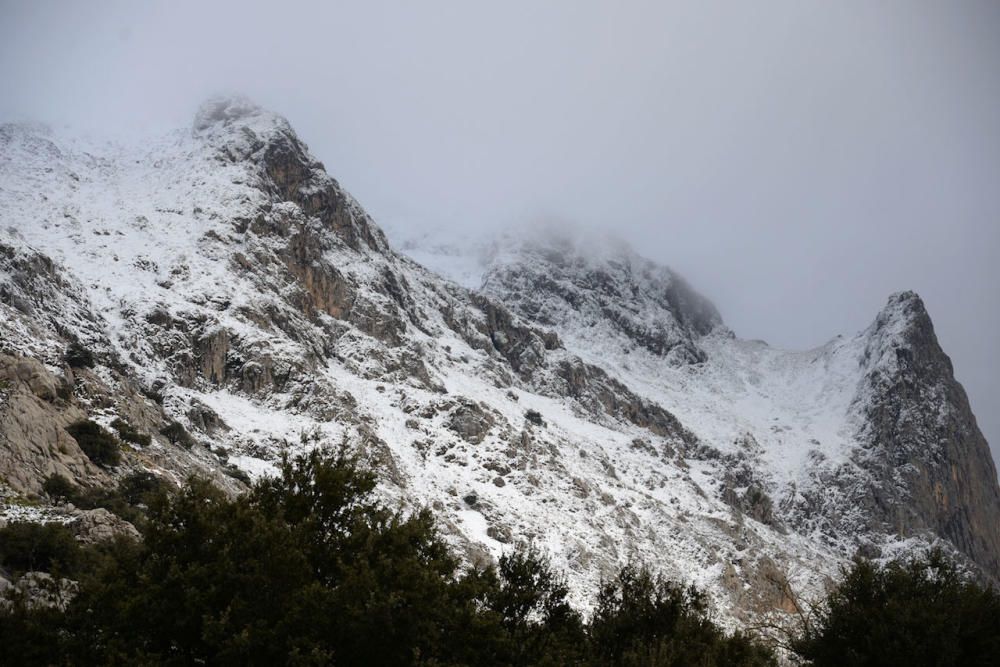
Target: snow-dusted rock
x: 224, y: 280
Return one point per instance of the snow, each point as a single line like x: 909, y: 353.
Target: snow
x: 149, y: 225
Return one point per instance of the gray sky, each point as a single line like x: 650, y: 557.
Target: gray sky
x: 797, y: 161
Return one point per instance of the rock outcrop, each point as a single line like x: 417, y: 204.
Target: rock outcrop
x: 921, y: 440
x: 557, y: 281
x: 34, y: 414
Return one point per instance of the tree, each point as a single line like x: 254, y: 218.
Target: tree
x: 921, y: 611
x: 32, y: 546
x: 311, y: 568
x: 58, y: 487
x: 531, y: 601
x: 643, y: 620
x: 99, y: 445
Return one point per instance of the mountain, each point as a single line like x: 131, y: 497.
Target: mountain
x: 577, y: 396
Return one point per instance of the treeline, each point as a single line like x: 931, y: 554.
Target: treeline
x: 309, y: 568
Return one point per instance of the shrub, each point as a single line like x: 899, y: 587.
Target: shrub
x: 237, y: 473
x: 645, y: 620
x: 32, y: 546
x: 58, y: 487
x: 133, y: 493
x: 141, y: 488
x: 77, y: 356
x: 129, y: 434
x: 917, y: 612
x: 535, y: 417
x: 177, y: 434
x: 99, y: 445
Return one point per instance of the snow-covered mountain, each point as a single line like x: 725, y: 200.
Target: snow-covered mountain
x: 550, y: 390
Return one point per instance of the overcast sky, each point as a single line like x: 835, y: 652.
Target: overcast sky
x: 797, y: 161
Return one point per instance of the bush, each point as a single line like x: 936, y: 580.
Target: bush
x: 129, y: 434
x: 99, y: 445
x: 133, y: 493
x: 26, y: 547
x: 645, y: 620
x: 77, y: 356
x: 535, y: 417
x: 177, y: 434
x: 237, y: 473
x: 917, y: 612
x: 58, y: 487
x: 142, y: 488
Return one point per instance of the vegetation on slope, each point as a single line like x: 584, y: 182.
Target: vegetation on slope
x: 309, y: 568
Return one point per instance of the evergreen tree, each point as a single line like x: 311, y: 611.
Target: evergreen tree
x: 644, y: 620
x: 309, y: 568
x: 917, y: 612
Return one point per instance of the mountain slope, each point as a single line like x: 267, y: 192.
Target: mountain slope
x: 591, y: 403
x: 866, y: 434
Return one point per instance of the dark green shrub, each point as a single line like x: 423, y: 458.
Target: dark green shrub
x: 142, y: 488
x: 237, y: 473
x: 535, y: 417
x: 77, y: 356
x: 29, y: 633
x: 152, y: 395
x: 64, y: 390
x: 642, y: 620
x: 538, y: 622
x: 58, y: 487
x: 129, y: 434
x: 133, y: 493
x: 177, y: 434
x: 33, y: 546
x: 99, y: 445
x: 309, y: 567
x: 917, y: 612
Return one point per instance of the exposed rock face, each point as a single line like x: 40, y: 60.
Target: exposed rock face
x: 100, y: 525
x: 39, y: 299
x: 920, y: 434
x: 585, y: 399
x: 594, y: 388
x: 523, y: 348
x: 33, y: 441
x: 243, y: 132
x: 559, y: 281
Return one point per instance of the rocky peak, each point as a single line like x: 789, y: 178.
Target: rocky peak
x: 903, y: 317
x: 599, y: 288
x: 923, y: 445
x: 224, y: 111
x: 240, y: 131
x: 902, y: 348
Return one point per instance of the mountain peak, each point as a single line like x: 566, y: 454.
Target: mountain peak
x: 602, y: 291
x: 904, y: 323
x: 906, y: 305
x: 239, y: 130
x: 222, y: 110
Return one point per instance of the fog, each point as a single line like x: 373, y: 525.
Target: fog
x: 796, y: 161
